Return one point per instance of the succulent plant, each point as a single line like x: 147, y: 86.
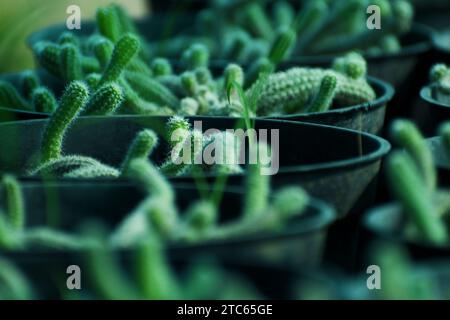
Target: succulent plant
x: 412, y: 177
x: 440, y: 83
x: 250, y: 30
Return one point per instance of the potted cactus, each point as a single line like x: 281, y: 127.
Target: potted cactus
x: 290, y: 222
x: 420, y: 217
x: 189, y: 88
x: 43, y: 147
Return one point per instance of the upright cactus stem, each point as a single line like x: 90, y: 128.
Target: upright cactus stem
x: 15, y: 202
x: 104, y: 101
x: 73, y: 100
x: 408, y: 187
x: 405, y: 134
x: 257, y: 21
x: 70, y: 63
x: 151, y: 179
x: 444, y: 131
x: 353, y: 65
x: 48, y: 55
x: 284, y: 41
x: 43, y: 100
x: 126, y: 49
x: 103, y: 50
x: 141, y: 147
x: 234, y: 74
x: 324, y: 98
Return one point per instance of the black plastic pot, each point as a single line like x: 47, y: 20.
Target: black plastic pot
x: 441, y: 159
x: 333, y: 164
x: 300, y: 244
x: 433, y: 112
x: 388, y: 222
x: 433, y: 13
x: 367, y: 117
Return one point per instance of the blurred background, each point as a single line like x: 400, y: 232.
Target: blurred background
x: 19, y: 18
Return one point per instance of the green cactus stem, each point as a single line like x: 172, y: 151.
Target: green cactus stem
x: 257, y: 186
x: 257, y: 21
x: 10, y: 97
x: 282, y: 44
x: 15, y: 204
x: 48, y: 56
x: 407, y: 135
x: 141, y: 148
x: 70, y: 63
x: 324, y: 98
x: 197, y: 56
x: 125, y: 49
x: 152, y: 91
x: 104, y: 101
x: 103, y: 50
x: 29, y: 82
x: 161, y: 67
x: 71, y: 103
x: 43, y: 100
x: 108, y: 23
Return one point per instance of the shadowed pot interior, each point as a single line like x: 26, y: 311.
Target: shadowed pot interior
x: 333, y: 164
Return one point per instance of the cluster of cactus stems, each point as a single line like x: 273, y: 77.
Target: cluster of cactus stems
x: 154, y: 224
x: 120, y: 78
x: 252, y: 30
x: 413, y: 179
x: 440, y: 83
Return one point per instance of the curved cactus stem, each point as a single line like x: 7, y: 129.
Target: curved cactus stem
x: 141, y: 148
x: 103, y: 50
x: 124, y: 51
x: 109, y: 24
x: 324, y: 98
x: 10, y: 97
x: 71, y: 103
x: 407, y: 185
x: 48, y: 57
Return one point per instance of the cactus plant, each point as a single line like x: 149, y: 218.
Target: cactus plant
x: 412, y: 177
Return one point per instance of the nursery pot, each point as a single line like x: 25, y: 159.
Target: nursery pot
x: 337, y: 165
x: 387, y: 223
x: 441, y: 159
x: 9, y: 113
x: 69, y: 206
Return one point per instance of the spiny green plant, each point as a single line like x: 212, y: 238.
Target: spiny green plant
x: 440, y: 83
x: 249, y: 31
x: 412, y: 177
x: 302, y: 89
